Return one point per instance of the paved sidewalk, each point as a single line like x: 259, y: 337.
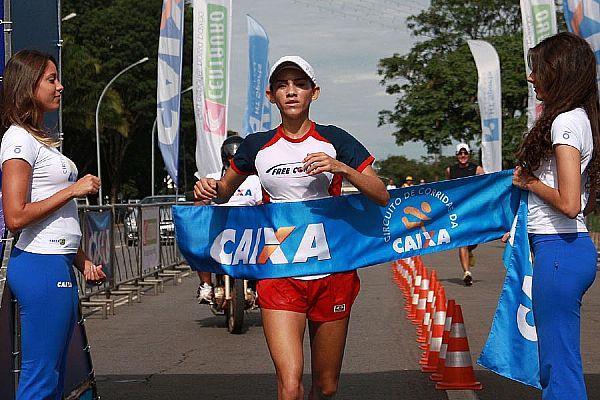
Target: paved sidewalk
x: 169, y: 347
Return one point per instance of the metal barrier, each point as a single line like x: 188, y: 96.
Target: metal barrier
x: 136, y: 244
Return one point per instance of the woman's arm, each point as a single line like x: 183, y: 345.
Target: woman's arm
x: 18, y: 213
x: 567, y: 197
x: 366, y: 181
x: 218, y: 190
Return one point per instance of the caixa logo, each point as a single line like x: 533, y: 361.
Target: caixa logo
x: 416, y: 232
x: 259, y: 245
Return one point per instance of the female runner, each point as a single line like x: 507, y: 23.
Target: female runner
x: 301, y: 160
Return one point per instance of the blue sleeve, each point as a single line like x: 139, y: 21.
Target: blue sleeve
x: 244, y: 159
x: 349, y: 150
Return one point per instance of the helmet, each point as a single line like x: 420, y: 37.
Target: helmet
x: 228, y: 149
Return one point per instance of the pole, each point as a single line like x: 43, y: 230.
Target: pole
x: 143, y: 60
x: 154, y: 140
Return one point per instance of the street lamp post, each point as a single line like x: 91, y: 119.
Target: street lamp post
x: 154, y: 140
x: 143, y: 60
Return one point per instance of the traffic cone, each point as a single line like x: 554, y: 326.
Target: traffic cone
x: 429, y: 318
x: 437, y: 332
x: 439, y: 374
x: 458, y: 371
x: 423, y: 331
x: 422, y: 299
x: 415, y: 292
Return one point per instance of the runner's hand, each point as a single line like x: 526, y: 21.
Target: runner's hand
x: 316, y: 163
x: 205, y: 189
x: 85, y: 186
x: 505, y: 237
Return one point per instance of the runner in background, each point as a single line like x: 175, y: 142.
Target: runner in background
x: 301, y: 160
x: 409, y: 181
x: 248, y: 194
x: 463, y: 168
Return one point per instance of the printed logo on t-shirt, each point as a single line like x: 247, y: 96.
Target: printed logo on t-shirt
x: 17, y: 149
x: 64, y: 284
x: 241, y: 192
x: 338, y: 308
x: 60, y: 241
x: 566, y: 135
x: 293, y: 169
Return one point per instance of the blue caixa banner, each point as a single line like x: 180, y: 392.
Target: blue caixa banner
x: 346, y: 232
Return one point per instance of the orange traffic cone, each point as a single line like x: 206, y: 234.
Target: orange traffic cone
x: 423, y: 331
x: 422, y: 299
x: 439, y: 374
x: 458, y: 371
x: 437, y: 332
x: 415, y: 292
x: 431, y: 310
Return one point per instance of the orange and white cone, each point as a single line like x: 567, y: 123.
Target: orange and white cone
x: 422, y: 299
x: 415, y: 292
x: 423, y: 331
x: 438, y: 375
x: 437, y: 332
x: 458, y: 370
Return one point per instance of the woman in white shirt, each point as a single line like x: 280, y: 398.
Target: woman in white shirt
x: 559, y: 161
x: 39, y: 187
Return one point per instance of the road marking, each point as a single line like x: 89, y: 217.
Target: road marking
x: 461, y: 395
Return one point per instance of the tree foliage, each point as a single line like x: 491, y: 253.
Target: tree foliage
x: 436, y: 82
x: 105, y: 37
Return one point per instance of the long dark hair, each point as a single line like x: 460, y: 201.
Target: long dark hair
x: 564, y: 67
x: 18, y: 105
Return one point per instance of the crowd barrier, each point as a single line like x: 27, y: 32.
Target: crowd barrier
x: 136, y: 245
x: 137, y: 248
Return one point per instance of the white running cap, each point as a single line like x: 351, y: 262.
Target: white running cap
x: 297, y: 62
x: 462, y: 146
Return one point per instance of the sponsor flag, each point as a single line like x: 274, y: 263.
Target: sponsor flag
x: 583, y: 19
x: 210, y: 75
x: 512, y: 349
x: 539, y: 22
x: 489, y: 98
x: 258, y: 115
x: 345, y: 232
x: 168, y: 91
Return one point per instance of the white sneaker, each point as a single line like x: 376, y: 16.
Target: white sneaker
x: 204, y: 294
x: 468, y: 278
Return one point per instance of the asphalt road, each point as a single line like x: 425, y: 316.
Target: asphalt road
x: 169, y: 347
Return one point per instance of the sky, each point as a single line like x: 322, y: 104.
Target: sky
x: 343, y: 40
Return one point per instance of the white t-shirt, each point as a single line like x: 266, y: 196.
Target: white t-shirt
x: 571, y: 128
x: 248, y: 194
x: 59, y: 233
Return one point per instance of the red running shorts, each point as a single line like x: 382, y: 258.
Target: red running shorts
x: 322, y: 300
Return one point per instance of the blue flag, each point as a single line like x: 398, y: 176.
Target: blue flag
x: 511, y: 349
x: 258, y: 108
x: 168, y: 88
x: 346, y: 232
x: 583, y: 19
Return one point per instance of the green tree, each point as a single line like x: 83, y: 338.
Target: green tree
x: 105, y: 37
x: 436, y: 82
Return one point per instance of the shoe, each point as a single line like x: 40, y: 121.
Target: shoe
x: 204, y: 294
x: 471, y: 259
x: 468, y: 278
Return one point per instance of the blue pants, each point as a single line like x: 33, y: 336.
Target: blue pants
x: 564, y: 268
x: 46, y: 289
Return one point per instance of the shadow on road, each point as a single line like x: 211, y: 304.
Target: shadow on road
x: 368, y: 386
